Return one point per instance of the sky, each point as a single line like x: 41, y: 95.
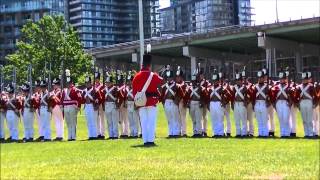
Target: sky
x: 265, y: 10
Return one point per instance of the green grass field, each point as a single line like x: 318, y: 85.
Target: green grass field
x: 189, y: 158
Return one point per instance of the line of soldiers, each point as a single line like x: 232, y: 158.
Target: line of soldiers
x: 219, y: 97
x: 113, y: 100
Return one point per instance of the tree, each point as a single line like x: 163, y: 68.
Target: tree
x: 50, y: 40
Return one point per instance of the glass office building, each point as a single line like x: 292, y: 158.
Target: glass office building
x: 106, y: 22
x: 15, y: 13
x: 200, y: 15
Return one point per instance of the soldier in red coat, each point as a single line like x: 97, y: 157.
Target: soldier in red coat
x: 123, y: 119
x: 170, y: 101
x: 148, y: 113
x: 91, y: 98
x: 113, y: 99
x: 251, y: 95
x: 316, y: 118
x: 3, y: 102
x: 71, y: 103
x: 31, y: 102
x: 216, y: 100
x: 13, y: 106
x: 182, y: 90
x: 45, y: 112
x: 261, y: 103
x: 195, y: 100
x: 281, y: 99
x: 307, y: 99
x: 227, y: 107
x: 239, y: 102
x: 204, y: 84
x: 100, y: 120
x: 54, y: 102
x: 133, y: 116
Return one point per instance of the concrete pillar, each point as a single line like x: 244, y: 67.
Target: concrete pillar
x: 271, y: 61
x: 193, y: 63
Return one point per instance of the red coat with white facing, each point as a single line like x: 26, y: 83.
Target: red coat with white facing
x: 3, y: 101
x: 307, y: 91
x: 152, y: 93
x: 281, y: 92
x: 91, y: 95
x: 54, y: 98
x: 71, y: 96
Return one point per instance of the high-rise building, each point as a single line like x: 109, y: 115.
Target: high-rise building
x: 99, y: 22
x: 201, y: 15
x: 15, y: 13
x: 106, y: 22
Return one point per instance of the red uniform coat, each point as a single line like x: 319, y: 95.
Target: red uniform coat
x: 116, y: 93
x: 152, y: 92
x: 266, y: 91
x: 3, y: 102
x: 201, y: 92
x: 275, y: 90
x: 311, y: 91
x: 94, y: 96
x: 244, y: 91
x: 71, y: 98
x: 222, y: 92
x: 54, y: 98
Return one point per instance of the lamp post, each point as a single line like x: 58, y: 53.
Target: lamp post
x: 277, y: 15
x: 141, y: 32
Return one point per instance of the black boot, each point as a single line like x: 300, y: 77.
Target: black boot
x: 293, y: 135
x: 40, y: 138
x: 271, y: 133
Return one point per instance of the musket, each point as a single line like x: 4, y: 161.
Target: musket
x: 1, y: 78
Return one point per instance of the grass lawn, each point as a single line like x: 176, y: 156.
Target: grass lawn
x: 189, y: 158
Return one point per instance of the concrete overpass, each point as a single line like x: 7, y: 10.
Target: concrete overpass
x: 292, y: 43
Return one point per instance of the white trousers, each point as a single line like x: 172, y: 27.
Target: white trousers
x: 2, y: 129
x: 124, y: 122
x: 133, y: 118
x: 148, y: 117
x: 112, y: 116
x: 39, y: 122
x: 58, y: 119
x: 204, y: 122
x: 316, y: 117
x: 70, y: 114
x: 227, y: 110
x: 271, y: 118
x: 196, y: 113
x: 306, y: 110
x: 45, y: 117
x: 182, y: 118
x: 293, y: 118
x: 101, y: 125
x: 12, y: 122
x: 283, y: 111
x: 91, y: 117
x: 250, y: 119
x: 240, y: 117
x: 28, y: 120
x: 172, y: 114
x: 261, y: 112
x: 217, y: 117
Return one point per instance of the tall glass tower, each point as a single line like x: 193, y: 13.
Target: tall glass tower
x: 15, y: 13
x: 106, y: 22
x: 200, y: 15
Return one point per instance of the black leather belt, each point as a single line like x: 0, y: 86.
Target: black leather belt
x: 148, y: 94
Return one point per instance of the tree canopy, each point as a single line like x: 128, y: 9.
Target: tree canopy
x: 53, y: 41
